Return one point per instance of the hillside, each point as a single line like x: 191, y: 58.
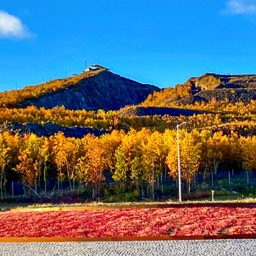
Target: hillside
x: 91, y: 90
x: 211, y: 81
x: 150, y: 111
x: 213, y: 102
x: 14, y: 97
x: 232, y: 88
x: 47, y: 129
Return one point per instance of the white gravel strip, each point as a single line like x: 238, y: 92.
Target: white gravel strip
x: 234, y: 247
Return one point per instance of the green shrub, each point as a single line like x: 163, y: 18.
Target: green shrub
x: 221, y: 193
x: 122, y: 197
x: 244, y: 190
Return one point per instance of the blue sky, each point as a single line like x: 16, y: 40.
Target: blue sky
x: 161, y: 42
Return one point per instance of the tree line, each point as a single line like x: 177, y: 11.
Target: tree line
x: 238, y: 117
x: 142, y: 159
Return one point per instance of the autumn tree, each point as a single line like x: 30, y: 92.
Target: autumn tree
x: 4, y: 160
x: 29, y: 162
x: 45, y: 156
x: 121, y: 168
x: 66, y: 152
x: 153, y: 159
x: 91, y: 165
x: 110, y: 143
x: 190, y: 155
x: 248, y: 147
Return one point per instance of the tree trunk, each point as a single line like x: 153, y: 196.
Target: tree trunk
x: 54, y: 188
x: 162, y: 184
x: 142, y: 192
x: 61, y: 186
x: 1, y: 185
x: 247, y: 178
x: 189, y: 189
x: 204, y: 174
x: 36, y: 186
x: 24, y: 190
x: 194, y: 180
x: 45, y: 184
x: 4, y: 183
x: 93, y: 193
x: 157, y: 181
x: 153, y: 190
x: 58, y: 181
x: 74, y: 185
x: 153, y: 183
x: 31, y: 189
x: 39, y: 179
x: 165, y: 174
x: 44, y: 173
x: 12, y: 189
x: 215, y: 166
x: 69, y: 180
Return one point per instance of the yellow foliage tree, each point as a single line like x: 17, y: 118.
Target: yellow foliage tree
x: 29, y: 161
x: 190, y: 155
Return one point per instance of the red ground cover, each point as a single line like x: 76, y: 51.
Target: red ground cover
x: 185, y: 221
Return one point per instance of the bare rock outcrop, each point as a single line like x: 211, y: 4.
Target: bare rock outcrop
x: 105, y: 90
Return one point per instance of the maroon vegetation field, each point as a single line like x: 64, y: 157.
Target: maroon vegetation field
x: 184, y: 221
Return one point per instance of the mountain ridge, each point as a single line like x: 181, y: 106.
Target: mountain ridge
x: 92, y: 90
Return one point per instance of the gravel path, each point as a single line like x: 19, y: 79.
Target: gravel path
x: 234, y: 247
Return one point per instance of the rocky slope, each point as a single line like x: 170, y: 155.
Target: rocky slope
x: 211, y: 81
x: 234, y: 88
x: 221, y: 87
x: 150, y: 111
x: 231, y: 95
x: 105, y: 90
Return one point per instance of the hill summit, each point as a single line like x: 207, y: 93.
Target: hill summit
x: 96, y: 88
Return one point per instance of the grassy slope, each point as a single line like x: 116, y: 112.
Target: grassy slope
x: 14, y: 97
